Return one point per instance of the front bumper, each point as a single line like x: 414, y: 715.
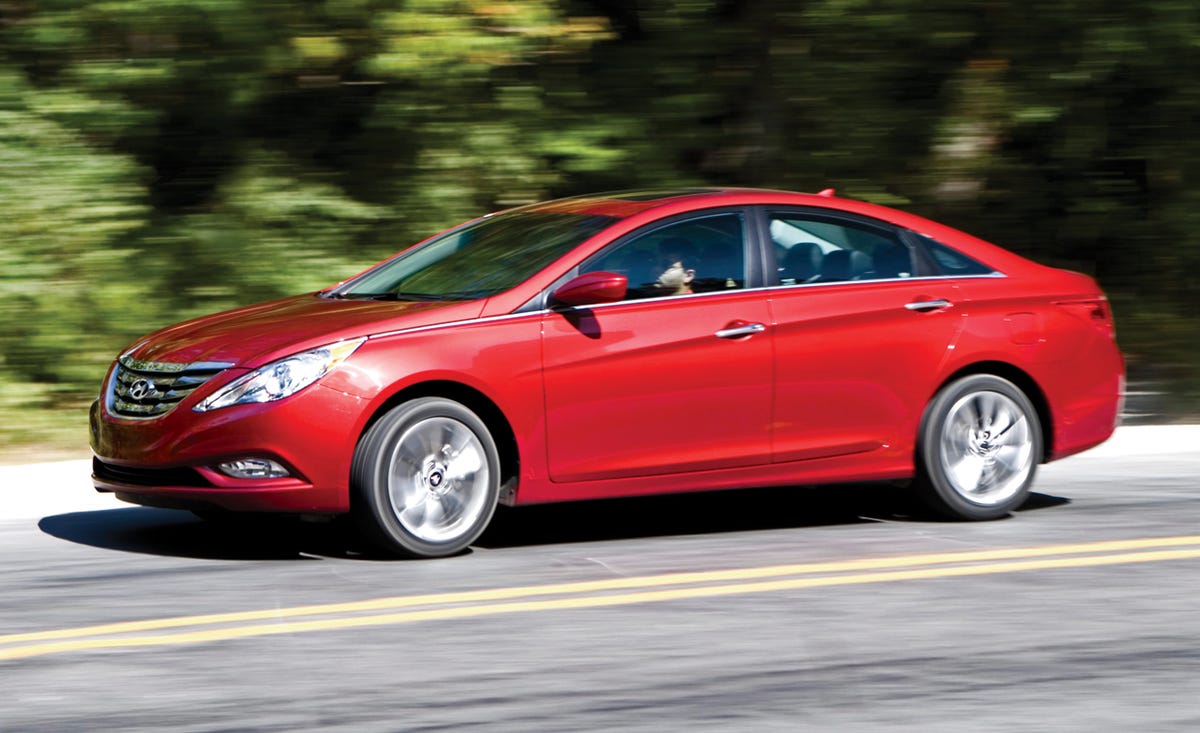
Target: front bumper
x: 201, y: 488
x: 171, y: 461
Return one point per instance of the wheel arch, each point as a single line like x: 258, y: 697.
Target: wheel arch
x: 1025, y: 383
x: 479, y: 403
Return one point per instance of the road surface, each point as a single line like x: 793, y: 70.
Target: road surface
x: 785, y: 610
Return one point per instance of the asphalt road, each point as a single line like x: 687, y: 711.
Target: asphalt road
x: 783, y: 610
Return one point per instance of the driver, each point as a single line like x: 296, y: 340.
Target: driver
x: 676, y: 278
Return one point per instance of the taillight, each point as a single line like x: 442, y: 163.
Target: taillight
x: 1095, y: 311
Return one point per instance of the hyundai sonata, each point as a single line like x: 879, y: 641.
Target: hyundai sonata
x: 616, y: 345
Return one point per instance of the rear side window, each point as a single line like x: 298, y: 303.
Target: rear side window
x: 814, y: 249
x: 952, y: 262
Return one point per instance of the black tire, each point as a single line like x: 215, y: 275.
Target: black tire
x: 425, y: 478
x: 978, y: 449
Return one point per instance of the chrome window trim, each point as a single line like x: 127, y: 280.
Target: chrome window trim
x: 988, y: 276
x: 658, y: 299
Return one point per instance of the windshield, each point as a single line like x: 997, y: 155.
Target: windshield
x: 478, y: 260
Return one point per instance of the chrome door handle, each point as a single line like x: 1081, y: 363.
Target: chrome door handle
x: 735, y: 332
x: 924, y: 306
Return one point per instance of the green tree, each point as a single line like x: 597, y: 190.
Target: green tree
x: 166, y: 159
x: 65, y: 285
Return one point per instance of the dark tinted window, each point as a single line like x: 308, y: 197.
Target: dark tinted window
x: 698, y: 255
x: 814, y: 249
x: 953, y: 262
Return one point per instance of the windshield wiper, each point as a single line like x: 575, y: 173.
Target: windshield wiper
x: 391, y: 296
x: 413, y: 296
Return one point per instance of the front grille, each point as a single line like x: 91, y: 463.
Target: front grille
x: 134, y: 476
x: 145, y: 389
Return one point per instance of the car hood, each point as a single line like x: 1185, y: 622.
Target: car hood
x: 256, y: 334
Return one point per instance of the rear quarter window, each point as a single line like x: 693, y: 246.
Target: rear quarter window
x: 953, y: 263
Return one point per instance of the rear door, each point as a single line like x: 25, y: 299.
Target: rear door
x: 860, y: 335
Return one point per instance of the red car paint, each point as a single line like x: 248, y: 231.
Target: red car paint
x: 639, y: 396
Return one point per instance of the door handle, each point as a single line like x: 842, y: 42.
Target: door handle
x: 924, y: 306
x: 737, y: 330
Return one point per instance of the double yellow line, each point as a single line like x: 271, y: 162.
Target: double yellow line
x: 591, y: 594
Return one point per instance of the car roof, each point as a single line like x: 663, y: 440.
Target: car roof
x: 624, y: 204
x: 633, y: 204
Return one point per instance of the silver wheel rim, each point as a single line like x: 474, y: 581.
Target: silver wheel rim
x: 986, y: 448
x: 438, y: 481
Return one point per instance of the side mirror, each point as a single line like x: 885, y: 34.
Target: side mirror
x: 591, y: 288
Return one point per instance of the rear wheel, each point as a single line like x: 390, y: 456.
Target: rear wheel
x: 978, y: 450
x: 426, y: 478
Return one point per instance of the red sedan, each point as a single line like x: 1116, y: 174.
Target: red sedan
x: 622, y: 344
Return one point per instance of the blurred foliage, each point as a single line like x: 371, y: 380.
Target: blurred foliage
x: 169, y: 158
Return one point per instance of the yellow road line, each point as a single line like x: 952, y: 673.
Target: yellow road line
x: 496, y: 594
x: 594, y: 594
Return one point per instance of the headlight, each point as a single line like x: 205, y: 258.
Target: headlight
x: 282, y: 378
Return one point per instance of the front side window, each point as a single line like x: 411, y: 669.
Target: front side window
x: 698, y: 255
x: 478, y: 260
x: 811, y: 249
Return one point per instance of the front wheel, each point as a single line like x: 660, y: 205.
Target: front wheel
x: 426, y: 477
x: 978, y: 449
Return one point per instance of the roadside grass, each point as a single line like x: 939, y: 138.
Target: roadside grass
x: 36, y: 429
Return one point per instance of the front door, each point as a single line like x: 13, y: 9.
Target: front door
x: 676, y: 378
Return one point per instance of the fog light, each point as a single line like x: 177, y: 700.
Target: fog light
x: 253, y: 468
